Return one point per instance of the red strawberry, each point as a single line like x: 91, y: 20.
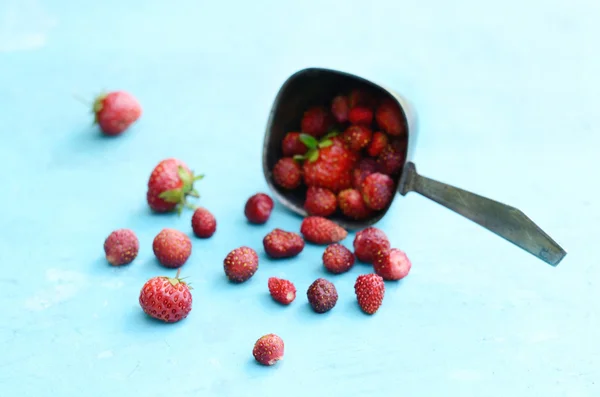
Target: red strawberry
x: 292, y: 145
x: 166, y: 299
x: 316, y: 121
x: 281, y: 244
x: 391, y: 159
x: 369, y: 290
x: 170, y: 183
x: 390, y: 118
x: 378, y: 143
x: 121, y: 247
x: 240, y: 264
x: 320, y: 201
x: 268, y: 349
x: 337, y: 259
x: 319, y: 230
x: 172, y: 247
x: 361, y: 97
x: 364, y: 168
x: 377, y: 190
x: 204, y: 223
x: 392, y: 265
x: 116, y: 111
x: 352, y: 204
x: 258, y: 208
x: 369, y: 242
x: 322, y: 295
x: 287, y: 173
x: 328, y: 164
x: 361, y: 116
x: 340, y: 108
x: 282, y: 291
x: 357, y: 137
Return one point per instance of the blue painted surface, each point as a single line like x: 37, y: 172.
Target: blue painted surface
x: 508, y: 100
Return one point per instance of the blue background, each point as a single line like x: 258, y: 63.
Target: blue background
x: 507, y: 94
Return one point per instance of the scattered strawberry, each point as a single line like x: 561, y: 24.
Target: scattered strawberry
x: 204, y: 223
x: 322, y: 295
x: 389, y: 118
x: 268, y: 349
x: 258, y: 208
x: 368, y: 242
x: 361, y: 97
x: 320, y: 201
x: 319, y: 230
x: 361, y: 116
x: 328, y: 164
x: 369, y: 290
x: 116, y: 111
x: 378, y: 143
x: 364, y: 168
x: 340, y: 108
x: 377, y: 190
x: 121, y: 247
x: 172, y: 247
x: 338, y: 259
x: 292, y: 145
x: 391, y: 159
x: 287, y: 173
x: 357, y: 137
x: 316, y: 121
x: 166, y: 299
x: 240, y: 264
x: 282, y: 291
x: 170, y: 183
x: 352, y: 204
x: 392, y: 265
x: 281, y: 244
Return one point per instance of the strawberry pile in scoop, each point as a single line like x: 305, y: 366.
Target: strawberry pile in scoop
x: 347, y: 156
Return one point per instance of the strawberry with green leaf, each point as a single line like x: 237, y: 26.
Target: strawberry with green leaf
x: 170, y: 184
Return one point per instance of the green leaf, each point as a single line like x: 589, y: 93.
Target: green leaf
x: 299, y: 157
x: 194, y: 193
x: 198, y: 177
x: 172, y: 196
x: 325, y: 143
x: 312, y: 155
x: 186, y: 178
x: 332, y: 134
x: 309, y: 141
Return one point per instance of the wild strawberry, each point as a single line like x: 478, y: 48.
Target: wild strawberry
x: 340, y: 108
x: 116, y: 111
x: 204, y: 223
x: 392, y: 265
x: 391, y: 159
x: 369, y: 242
x: 319, y: 230
x: 337, y: 259
x: 364, y: 168
x: 170, y: 183
x: 292, y: 145
x: 287, y: 173
x: 361, y: 97
x: 172, y: 247
x: 378, y: 143
x: 322, y: 295
x: 377, y: 190
x: 316, y: 121
x: 328, y: 163
x: 369, y: 290
x: 389, y: 118
x: 268, y: 349
x: 258, y: 208
x: 320, y: 201
x: 240, y: 264
x: 121, y: 247
x: 281, y: 244
x: 352, y: 204
x: 357, y: 137
x: 282, y: 291
x: 166, y: 299
x: 361, y: 116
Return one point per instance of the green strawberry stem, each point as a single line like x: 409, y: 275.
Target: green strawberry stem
x: 313, y: 146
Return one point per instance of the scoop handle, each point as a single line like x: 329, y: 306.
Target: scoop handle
x: 505, y: 221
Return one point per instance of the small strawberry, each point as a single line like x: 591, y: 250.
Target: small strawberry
x: 172, y: 247
x: 364, y: 168
x: 268, y: 349
x: 287, y: 173
x: 116, y: 111
x: 390, y: 118
x: 292, y: 145
x: 391, y: 159
x: 378, y: 143
x: 240, y: 264
x: 121, y: 247
x: 340, y: 108
x: 281, y: 244
x: 357, y: 137
x: 377, y: 190
x: 320, y: 201
x: 316, y: 121
x: 369, y: 242
x: 166, y: 299
x: 204, y: 223
x: 169, y: 185
x: 361, y: 116
x: 369, y: 290
x: 322, y: 295
x: 352, y: 204
x: 282, y: 291
x: 337, y: 259
x: 258, y: 208
x: 328, y: 163
x: 392, y: 265
x: 319, y: 230
x: 361, y: 97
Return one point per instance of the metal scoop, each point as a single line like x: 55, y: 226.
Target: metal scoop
x: 316, y: 86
